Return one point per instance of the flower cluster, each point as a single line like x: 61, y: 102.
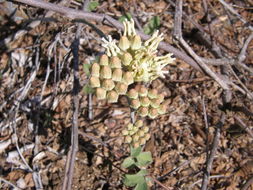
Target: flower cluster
x: 108, y: 79
x: 136, y: 134
x: 146, y: 102
x: 138, y: 57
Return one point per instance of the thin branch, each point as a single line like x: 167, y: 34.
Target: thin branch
x: 76, y: 14
x: 10, y: 184
x: 212, y: 153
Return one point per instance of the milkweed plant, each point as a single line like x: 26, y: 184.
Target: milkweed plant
x: 124, y: 69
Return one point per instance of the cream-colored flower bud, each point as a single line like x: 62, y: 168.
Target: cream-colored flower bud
x: 105, y: 72
x: 117, y: 75
x: 135, y: 129
x: 124, y: 43
x: 104, y: 60
x: 162, y: 109
x: 136, y: 137
x: 108, y: 84
x: 139, y: 123
x: 95, y: 68
x: 128, y: 78
x: 136, y: 42
x: 153, y: 113
x: 147, y: 136
x: 142, y: 141
x: 127, y: 58
x: 143, y: 111
x: 145, y: 129
x: 141, y: 133
x: 145, y: 102
x: 132, y: 132
x: 100, y: 93
x: 152, y: 93
x: 135, y: 104
x: 94, y: 82
x: 128, y: 139
x: 143, y: 91
x: 112, y: 96
x: 115, y: 62
x: 121, y: 88
x: 125, y: 132
x: 136, y: 144
x: 130, y: 126
x: 155, y: 103
x: 160, y: 97
x: 132, y: 93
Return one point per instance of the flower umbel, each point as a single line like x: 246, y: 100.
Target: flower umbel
x: 143, y: 61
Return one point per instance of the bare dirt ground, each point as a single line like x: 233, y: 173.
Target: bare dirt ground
x: 37, y: 100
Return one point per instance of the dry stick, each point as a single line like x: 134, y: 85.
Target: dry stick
x: 210, y: 159
x: 232, y: 10
x: 76, y: 14
x: 178, y: 35
x: 10, y: 184
x: 242, y: 125
x: 247, y: 184
x: 31, y: 25
x: 207, y: 131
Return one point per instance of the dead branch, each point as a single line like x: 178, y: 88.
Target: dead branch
x: 77, y: 14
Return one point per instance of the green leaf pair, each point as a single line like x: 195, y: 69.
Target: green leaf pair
x: 153, y: 24
x: 138, y: 180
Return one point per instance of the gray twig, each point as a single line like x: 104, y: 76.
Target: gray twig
x: 212, y: 153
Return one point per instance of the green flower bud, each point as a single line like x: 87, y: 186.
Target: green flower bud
x: 136, y: 42
x: 132, y: 93
x: 143, y: 91
x: 145, y: 101
x: 128, y: 139
x: 153, y: 113
x: 135, y: 129
x: 108, y: 84
x: 100, y: 93
x: 112, y: 96
x: 125, y: 132
x: 127, y: 58
x: 128, y: 78
x: 117, y: 75
x: 131, y: 132
x: 124, y: 43
x: 145, y: 129
x: 139, y: 123
x: 104, y: 60
x: 147, y: 136
x: 130, y: 126
x: 162, y: 109
x: 106, y: 72
x: 121, y: 88
x: 152, y: 93
x: 135, y: 138
x: 94, y: 82
x: 143, y: 111
x: 95, y: 68
x: 135, y: 104
x: 115, y: 62
x: 155, y: 103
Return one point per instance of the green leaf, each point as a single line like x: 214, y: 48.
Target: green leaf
x: 86, y: 69
x: 93, y: 5
x: 153, y: 24
x: 142, y: 172
x: 141, y: 186
x: 128, y: 162
x: 135, y: 151
x: 133, y: 180
x: 87, y: 89
x: 126, y: 16
x: 144, y: 159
